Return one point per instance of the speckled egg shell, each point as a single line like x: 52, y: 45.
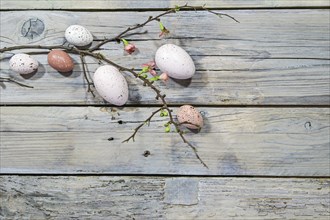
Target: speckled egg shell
x: 111, y: 85
x: 175, y: 61
x: 188, y: 113
x: 23, y: 63
x: 78, y: 35
x: 60, y: 60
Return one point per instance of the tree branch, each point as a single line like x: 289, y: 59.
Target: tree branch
x: 89, y: 81
x: 7, y: 79
x: 147, y: 121
x: 146, y: 82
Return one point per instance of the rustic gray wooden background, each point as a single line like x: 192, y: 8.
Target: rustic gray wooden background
x: 262, y: 85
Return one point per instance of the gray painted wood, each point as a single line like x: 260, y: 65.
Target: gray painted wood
x: 148, y: 4
x: 275, y: 57
x: 117, y: 197
x: 234, y: 141
x: 281, y: 56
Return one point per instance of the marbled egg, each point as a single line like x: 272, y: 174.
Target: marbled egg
x: 60, y: 60
x: 78, y: 35
x: 23, y: 63
x: 175, y: 61
x: 111, y: 85
x: 188, y: 113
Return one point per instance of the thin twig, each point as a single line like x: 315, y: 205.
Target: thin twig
x: 117, y: 38
x: 222, y: 14
x: 89, y: 81
x: 186, y: 6
x: 7, y: 79
x: 193, y: 148
x: 147, y: 121
x: 183, y: 138
x: 34, y: 47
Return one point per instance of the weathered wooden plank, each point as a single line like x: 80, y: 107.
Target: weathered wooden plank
x: 154, y: 4
x: 281, y: 56
x: 104, y: 197
x: 234, y: 141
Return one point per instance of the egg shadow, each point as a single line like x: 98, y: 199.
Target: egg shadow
x: 197, y: 56
x: 195, y: 131
x: 207, y: 127
x: 6, y: 56
x: 76, y: 72
x: 66, y: 74
x: 183, y: 82
x: 3, y: 85
x: 134, y: 96
x: 84, y: 47
x: 35, y: 75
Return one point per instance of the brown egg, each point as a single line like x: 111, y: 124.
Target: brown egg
x: 190, y: 117
x: 60, y: 60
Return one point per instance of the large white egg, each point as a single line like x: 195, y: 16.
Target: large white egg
x: 175, y: 61
x: 78, y: 35
x: 23, y: 63
x: 111, y: 85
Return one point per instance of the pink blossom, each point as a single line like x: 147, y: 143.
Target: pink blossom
x: 164, y: 77
x: 150, y: 64
x: 150, y: 67
x: 164, y: 33
x: 153, y: 72
x: 130, y: 48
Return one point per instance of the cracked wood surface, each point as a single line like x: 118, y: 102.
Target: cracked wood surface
x: 277, y: 57
x: 118, y: 197
x: 234, y: 141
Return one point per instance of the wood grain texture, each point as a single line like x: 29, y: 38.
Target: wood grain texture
x: 282, y: 57
x: 117, y: 197
x: 154, y: 4
x: 234, y: 141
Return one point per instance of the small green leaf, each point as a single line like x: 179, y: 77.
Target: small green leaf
x: 124, y: 41
x: 167, y: 129
x: 163, y: 113
x: 161, y: 26
x: 144, y: 70
x: 155, y: 78
x: 177, y: 8
x: 100, y: 56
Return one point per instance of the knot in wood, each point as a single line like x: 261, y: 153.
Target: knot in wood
x: 32, y: 28
x: 146, y: 153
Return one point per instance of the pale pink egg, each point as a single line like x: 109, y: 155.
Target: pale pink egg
x: 189, y: 117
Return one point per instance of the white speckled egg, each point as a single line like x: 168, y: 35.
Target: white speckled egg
x: 23, y: 63
x: 78, y: 35
x: 111, y: 85
x: 175, y: 61
x: 190, y: 117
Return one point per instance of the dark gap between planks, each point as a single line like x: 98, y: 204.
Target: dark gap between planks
x: 165, y: 9
x: 164, y: 175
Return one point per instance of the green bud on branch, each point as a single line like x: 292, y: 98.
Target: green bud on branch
x: 124, y: 41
